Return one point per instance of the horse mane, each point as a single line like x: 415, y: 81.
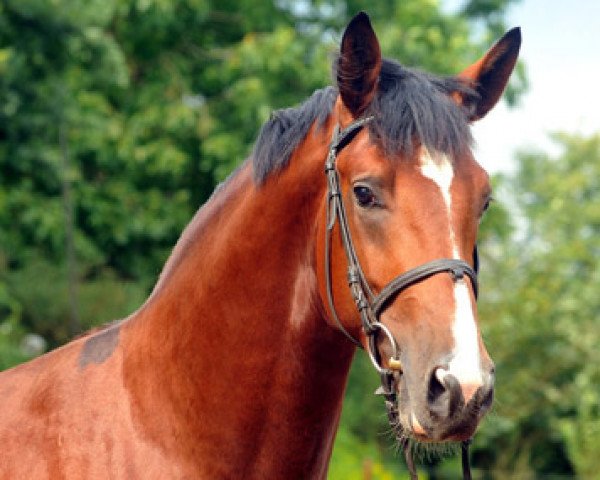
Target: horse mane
x: 411, y: 107
x: 285, y: 129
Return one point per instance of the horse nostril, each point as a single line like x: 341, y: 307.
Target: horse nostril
x: 437, y: 395
x: 436, y: 388
x: 444, y: 396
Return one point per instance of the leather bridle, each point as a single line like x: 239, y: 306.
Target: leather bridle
x: 370, y: 305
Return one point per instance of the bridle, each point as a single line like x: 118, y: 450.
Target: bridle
x: 370, y: 305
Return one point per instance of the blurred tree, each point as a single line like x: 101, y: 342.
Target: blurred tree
x: 10, y: 333
x: 544, y: 317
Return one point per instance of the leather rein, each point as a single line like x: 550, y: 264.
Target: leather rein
x: 370, y: 305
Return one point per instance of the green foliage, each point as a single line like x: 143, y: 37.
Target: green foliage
x: 356, y: 459
x: 41, y: 288
x: 542, y: 320
x: 10, y: 353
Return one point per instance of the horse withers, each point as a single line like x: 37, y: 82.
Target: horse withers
x: 235, y: 366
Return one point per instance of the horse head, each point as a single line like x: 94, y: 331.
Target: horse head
x: 411, y: 196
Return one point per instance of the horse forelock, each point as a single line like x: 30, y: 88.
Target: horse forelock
x: 414, y: 108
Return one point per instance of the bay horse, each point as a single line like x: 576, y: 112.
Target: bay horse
x: 236, y: 365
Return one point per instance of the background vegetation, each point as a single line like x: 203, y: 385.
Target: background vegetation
x: 118, y: 118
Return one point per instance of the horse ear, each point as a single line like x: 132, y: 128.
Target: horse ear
x: 490, y: 74
x: 358, y: 65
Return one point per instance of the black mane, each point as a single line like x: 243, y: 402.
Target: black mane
x: 410, y: 106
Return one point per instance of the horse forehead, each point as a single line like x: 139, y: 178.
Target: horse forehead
x: 365, y: 157
x: 439, y: 168
x: 455, y: 177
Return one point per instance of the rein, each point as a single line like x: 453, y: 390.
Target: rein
x: 370, y: 305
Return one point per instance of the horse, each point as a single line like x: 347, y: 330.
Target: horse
x: 236, y: 364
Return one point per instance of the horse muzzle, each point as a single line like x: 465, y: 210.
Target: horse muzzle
x: 448, y: 410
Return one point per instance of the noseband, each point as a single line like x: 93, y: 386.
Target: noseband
x: 370, y: 305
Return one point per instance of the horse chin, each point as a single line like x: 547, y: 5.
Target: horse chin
x: 431, y: 439
x: 456, y: 433
x: 449, y: 431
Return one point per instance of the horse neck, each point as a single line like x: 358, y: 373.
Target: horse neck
x: 234, y: 335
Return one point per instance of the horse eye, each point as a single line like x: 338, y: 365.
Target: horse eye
x: 365, y: 196
x: 486, y: 205
x: 488, y: 201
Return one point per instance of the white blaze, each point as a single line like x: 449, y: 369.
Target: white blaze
x: 466, y: 362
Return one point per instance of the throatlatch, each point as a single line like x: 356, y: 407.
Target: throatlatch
x: 370, y: 306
